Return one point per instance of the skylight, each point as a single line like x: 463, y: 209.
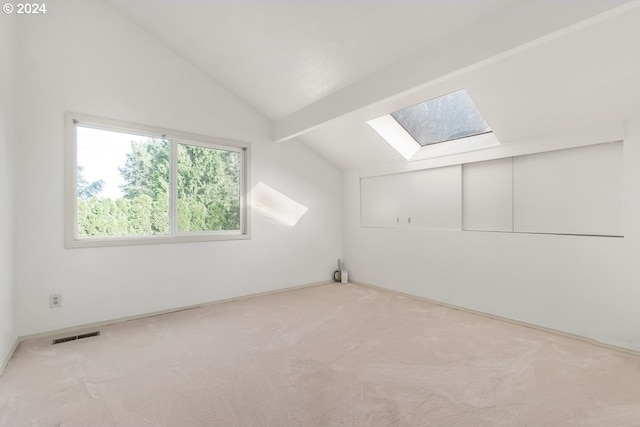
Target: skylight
x: 442, y: 119
x: 414, y: 130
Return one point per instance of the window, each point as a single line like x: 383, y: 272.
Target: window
x: 131, y: 184
x: 444, y: 119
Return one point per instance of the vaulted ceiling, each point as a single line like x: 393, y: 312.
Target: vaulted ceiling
x: 320, y: 69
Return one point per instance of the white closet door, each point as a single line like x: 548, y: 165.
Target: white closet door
x: 381, y: 201
x: 433, y: 198
x: 487, y: 196
x: 573, y: 191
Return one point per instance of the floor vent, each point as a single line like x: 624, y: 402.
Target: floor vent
x: 76, y: 337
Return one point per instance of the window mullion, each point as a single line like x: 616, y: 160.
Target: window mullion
x: 173, y: 187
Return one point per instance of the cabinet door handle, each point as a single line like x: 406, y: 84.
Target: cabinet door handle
x: 409, y: 219
x: 398, y: 220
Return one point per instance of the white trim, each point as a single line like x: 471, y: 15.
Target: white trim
x: 395, y: 135
x: 91, y: 326
x: 173, y: 190
x: 79, y: 329
x: 151, y: 131
x: 71, y: 233
x: 600, y: 134
x: 245, y: 183
x: 83, y: 328
x: 504, y: 319
x: 9, y: 355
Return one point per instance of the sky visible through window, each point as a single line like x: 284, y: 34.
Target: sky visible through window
x: 442, y: 119
x: 100, y: 154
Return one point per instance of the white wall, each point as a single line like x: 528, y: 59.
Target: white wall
x: 587, y: 286
x: 84, y: 57
x: 7, y: 140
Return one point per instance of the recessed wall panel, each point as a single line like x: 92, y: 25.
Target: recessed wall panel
x: 573, y: 191
x: 487, y: 196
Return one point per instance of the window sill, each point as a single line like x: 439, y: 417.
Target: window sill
x: 154, y: 240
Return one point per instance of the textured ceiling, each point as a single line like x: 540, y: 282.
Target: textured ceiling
x: 319, y: 68
x: 283, y: 55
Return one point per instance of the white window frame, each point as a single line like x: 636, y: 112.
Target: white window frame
x: 72, y: 240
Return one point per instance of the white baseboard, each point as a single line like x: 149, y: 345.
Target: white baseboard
x: 79, y: 329
x: 506, y: 319
x: 9, y: 355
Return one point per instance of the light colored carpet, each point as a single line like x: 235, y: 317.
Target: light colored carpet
x: 329, y: 355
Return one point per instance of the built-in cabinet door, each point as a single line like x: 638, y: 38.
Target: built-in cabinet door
x: 572, y: 191
x: 429, y: 199
x: 381, y: 201
x: 433, y: 198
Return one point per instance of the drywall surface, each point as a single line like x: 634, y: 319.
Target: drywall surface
x: 85, y: 57
x: 7, y: 140
x: 582, y: 285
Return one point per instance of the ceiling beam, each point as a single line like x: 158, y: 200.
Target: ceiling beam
x: 443, y: 60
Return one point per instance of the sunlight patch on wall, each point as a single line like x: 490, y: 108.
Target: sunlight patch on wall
x: 275, y: 206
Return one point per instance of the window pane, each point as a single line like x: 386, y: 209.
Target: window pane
x: 441, y: 119
x: 122, y: 184
x: 208, y: 189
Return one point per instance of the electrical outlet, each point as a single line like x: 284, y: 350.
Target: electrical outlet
x: 55, y: 300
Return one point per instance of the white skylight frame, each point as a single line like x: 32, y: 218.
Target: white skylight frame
x: 396, y: 135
